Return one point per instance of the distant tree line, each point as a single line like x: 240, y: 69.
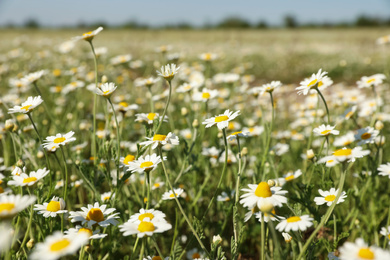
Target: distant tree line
x: 233, y: 22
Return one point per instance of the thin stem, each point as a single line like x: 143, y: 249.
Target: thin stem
x: 326, y: 106
x: 237, y: 191
x: 65, y: 182
x: 151, y: 99
x: 141, y: 254
x: 166, y: 107
x: 148, y: 190
x: 28, y: 228
x: 262, y: 236
x: 157, y: 248
x: 179, y: 205
x: 269, y: 136
x: 94, y: 106
x: 118, y: 144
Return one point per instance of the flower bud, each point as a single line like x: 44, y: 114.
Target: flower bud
x: 287, y: 237
x: 244, y: 151
x: 9, y: 124
x: 184, y: 111
x: 195, y: 123
x: 379, y: 125
x: 40, y: 154
x: 30, y: 243
x: 217, y: 239
x: 310, y: 154
x: 104, y: 79
x: 271, y: 183
x: 20, y: 163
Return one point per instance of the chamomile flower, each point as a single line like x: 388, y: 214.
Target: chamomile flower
x: 33, y: 77
x: 148, y: 82
x: 205, y: 95
x: 126, y: 160
x: 10, y: 205
x: 386, y: 232
x: 268, y: 216
x: 383, y: 40
x: 329, y: 161
x: 27, y: 106
x: 254, y: 131
x: 51, y: 209
x: 157, y: 184
x: 239, y: 134
x: 350, y: 154
x: 208, y: 56
x: 295, y: 223
x: 161, y: 140
x: 170, y: 196
x: 344, y: 140
x: 144, y: 227
x: 262, y: 193
x: 107, y: 196
x: 222, y: 120
x: 120, y: 59
x: 194, y: 254
x: 315, y: 81
x: 384, y: 170
x: 106, y: 89
x: 325, y: 130
x: 95, y: 214
x: 366, y: 135
x: 287, y: 237
x: 349, y: 112
x: 289, y: 177
x: 87, y: 231
x: 145, y: 163
x: 168, y: 72
x: 88, y: 36
x: 329, y: 196
x: 28, y: 180
x: 225, y: 197
x: 58, y: 139
x: 361, y: 251
x: 149, y: 118
x: 58, y: 245
x: 270, y: 87
x: 374, y: 80
x: 152, y: 214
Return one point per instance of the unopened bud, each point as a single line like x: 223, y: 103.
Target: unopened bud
x: 220, y: 134
x: 271, y: 183
x: 195, y: 123
x: 30, y: 243
x: 9, y: 124
x: 40, y: 154
x: 184, y: 111
x: 287, y: 237
x: 379, y: 125
x: 104, y: 79
x: 310, y: 154
x: 20, y: 163
x: 272, y: 152
x: 244, y: 151
x: 217, y: 239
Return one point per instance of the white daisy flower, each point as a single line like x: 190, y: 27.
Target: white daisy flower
x: 350, y: 154
x: 384, y: 170
x: 168, y: 72
x: 329, y: 161
x: 88, y: 36
x: 95, y: 214
x: 146, y: 82
x: 59, y: 139
x: 17, y: 171
x: 344, y: 140
x: 384, y: 232
x: 124, y: 107
x: 72, y: 87
x: 194, y: 254
x: 145, y: 164
x: 27, y: 106
x: 106, y: 196
x: 33, y: 77
x: 295, y: 223
x: 208, y: 56
x: 152, y: 214
x: 222, y: 120
x: 120, y: 59
x: 106, y: 89
x: 257, y: 195
x: 225, y: 197
x: 51, y: 209
x: 161, y: 140
x: 126, y: 160
x: 10, y: 205
x: 361, y: 251
x: 205, y: 95
x: 87, y: 231
x: 325, y: 130
x: 28, y: 180
x: 289, y: 177
x: 146, y: 227
x: 280, y: 149
x: 366, y: 135
x: 58, y: 245
x: 149, y: 117
x: 287, y: 237
x: 157, y: 184
x: 168, y: 195
x: 349, y: 112
x: 315, y: 81
x: 183, y: 88
x: 268, y: 216
x: 254, y: 131
x: 239, y: 134
x: 329, y: 196
x: 374, y: 80
x: 270, y: 87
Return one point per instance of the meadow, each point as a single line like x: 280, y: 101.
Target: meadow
x: 194, y: 144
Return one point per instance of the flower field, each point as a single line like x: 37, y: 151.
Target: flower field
x: 195, y: 144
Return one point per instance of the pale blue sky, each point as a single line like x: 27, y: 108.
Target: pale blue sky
x: 156, y: 12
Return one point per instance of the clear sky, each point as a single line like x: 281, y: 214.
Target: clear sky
x: 157, y: 12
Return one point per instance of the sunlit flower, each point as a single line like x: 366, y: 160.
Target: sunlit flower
x: 87, y: 231
x: 366, y: 135
x: 168, y: 72
x: 95, y: 214
x: 235, y: 134
x: 144, y: 227
x: 58, y: 139
x: 51, y: 209
x: 350, y: 154
x: 170, y: 196
x: 289, y: 177
x: 149, y: 118
x: 315, y: 81
x: 126, y: 160
x: 374, y: 80
x: 325, y: 130
x: 386, y: 233
x: 384, y: 170
x: 295, y: 223
x: 152, y: 214
x: 106, y: 89
x: 33, y: 77
x: 205, y: 95
x: 329, y: 196
x: 145, y: 163
x: 222, y: 120
x: 120, y: 59
x: 10, y: 205
x: 329, y: 161
x: 270, y: 87
x: 58, y: 245
x: 161, y: 140
x: 28, y: 180
x: 88, y: 36
x: 344, y: 140
x: 271, y: 216
x: 262, y: 193
x: 27, y: 106
x: 208, y: 56
x: 361, y: 251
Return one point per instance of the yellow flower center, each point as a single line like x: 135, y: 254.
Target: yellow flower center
x: 325, y: 132
x: 86, y: 231
x: 146, y: 164
x: 289, y: 178
x: 370, y: 81
x: 366, y: 136
x: 128, y: 158
x: 320, y: 84
x: 26, y: 107
x: 95, y: 214
x: 29, y: 179
x: 53, y: 206
x: 293, y: 219
x: 106, y: 92
x: 157, y: 185
x: 59, y: 245
x: 205, y: 95
x: 330, y: 161
x: 237, y: 133
x: 221, y: 118
x: 207, y: 56
x: 123, y: 104
x: 349, y: 114
x: 366, y: 253
x: 151, y: 116
x: 342, y: 152
x: 263, y: 190
x: 312, y: 83
x: 156, y: 258
x: 106, y: 198
x: 59, y: 140
x: 159, y: 137
x: 330, y: 198
x: 87, y: 34
x: 146, y: 215
x: 145, y: 226
x: 195, y: 256
x: 6, y: 206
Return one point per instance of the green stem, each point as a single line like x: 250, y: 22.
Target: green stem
x: 166, y: 107
x: 268, y: 137
x: 118, y: 147
x: 65, y: 182
x: 157, y: 248
x: 326, y: 106
x: 141, y: 254
x: 179, y: 205
x: 94, y: 106
x: 262, y: 236
x: 237, y: 191
x: 28, y: 228
x: 151, y: 99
